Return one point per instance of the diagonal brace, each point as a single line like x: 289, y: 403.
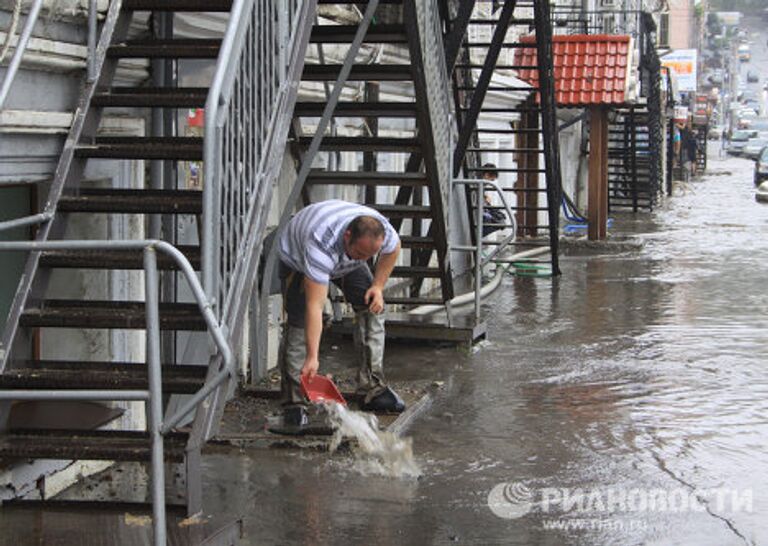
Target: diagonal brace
x: 478, y: 96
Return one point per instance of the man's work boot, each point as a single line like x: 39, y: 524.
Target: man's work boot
x: 293, y: 352
x: 369, y: 338
x: 385, y: 402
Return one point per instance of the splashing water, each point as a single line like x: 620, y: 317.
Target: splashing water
x: 380, y: 453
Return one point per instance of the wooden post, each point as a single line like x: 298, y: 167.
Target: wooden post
x: 597, y: 199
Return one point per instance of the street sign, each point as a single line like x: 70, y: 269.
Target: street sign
x: 683, y: 63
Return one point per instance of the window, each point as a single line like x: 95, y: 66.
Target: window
x: 663, y: 35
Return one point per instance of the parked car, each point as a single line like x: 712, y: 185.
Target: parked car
x: 761, y: 167
x: 717, y: 76
x: 759, y: 124
x: 715, y: 132
x: 761, y: 194
x: 738, y: 141
x: 754, y: 147
x: 753, y: 77
x: 754, y: 105
x: 744, y: 118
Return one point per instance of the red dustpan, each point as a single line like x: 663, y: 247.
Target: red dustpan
x: 321, y: 389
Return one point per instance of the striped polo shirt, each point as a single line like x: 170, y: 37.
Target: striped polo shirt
x: 313, y: 240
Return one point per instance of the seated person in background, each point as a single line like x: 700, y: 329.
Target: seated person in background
x: 491, y: 215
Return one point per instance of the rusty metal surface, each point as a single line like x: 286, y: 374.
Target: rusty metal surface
x: 180, y: 97
x: 133, y: 201
x: 163, y: 49
x: 113, y: 259
x: 66, y: 444
x: 177, y: 5
x: 177, y: 379
x: 180, y: 148
x: 111, y: 314
x: 61, y: 415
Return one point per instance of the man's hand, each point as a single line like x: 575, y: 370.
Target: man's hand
x: 374, y: 299
x: 310, y: 368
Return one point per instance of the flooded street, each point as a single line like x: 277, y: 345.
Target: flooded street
x: 633, y: 387
x: 622, y: 403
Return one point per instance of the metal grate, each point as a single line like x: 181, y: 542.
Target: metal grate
x: 248, y: 113
x: 438, y: 97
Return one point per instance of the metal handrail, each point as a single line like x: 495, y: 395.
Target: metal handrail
x: 477, y: 248
x: 26, y: 221
x: 247, y: 116
x: 158, y: 426
x: 21, y: 46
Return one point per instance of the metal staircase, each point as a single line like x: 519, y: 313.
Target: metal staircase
x: 248, y: 104
x: 489, y: 41
x: 405, y: 177
x: 630, y: 181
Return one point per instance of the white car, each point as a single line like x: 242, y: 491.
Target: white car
x: 762, y: 193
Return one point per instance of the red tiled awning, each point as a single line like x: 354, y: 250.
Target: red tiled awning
x: 590, y: 70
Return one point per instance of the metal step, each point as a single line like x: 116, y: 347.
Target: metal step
x: 165, y: 49
x: 513, y: 21
x: 178, y: 97
x: 179, y: 148
x: 364, y: 72
x: 102, y: 445
x: 410, y: 241
x: 507, y: 150
x: 359, y: 109
x: 344, y: 34
x: 498, y: 67
x: 134, y: 201
x: 357, y: 1
x: 177, y: 5
x: 361, y: 178
x: 365, y: 144
x: 110, y: 314
x: 403, y: 211
x: 113, y: 259
x: 56, y: 374
x: 415, y: 272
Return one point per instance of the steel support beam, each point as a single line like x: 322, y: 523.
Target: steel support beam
x: 425, y: 134
x: 456, y: 34
x: 544, y: 58
x: 478, y: 96
x: 597, y: 193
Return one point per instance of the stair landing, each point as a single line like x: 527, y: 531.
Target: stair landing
x: 433, y: 328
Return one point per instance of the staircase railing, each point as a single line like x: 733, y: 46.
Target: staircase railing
x: 248, y: 114
x: 158, y: 425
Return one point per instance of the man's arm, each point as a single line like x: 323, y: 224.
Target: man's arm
x: 374, y: 296
x: 314, y: 296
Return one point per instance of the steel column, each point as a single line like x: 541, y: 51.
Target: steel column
x: 478, y: 96
x: 544, y: 58
x: 457, y: 32
x: 155, y: 404
x: 597, y: 195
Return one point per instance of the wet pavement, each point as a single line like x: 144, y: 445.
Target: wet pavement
x: 640, y: 372
x: 622, y: 403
